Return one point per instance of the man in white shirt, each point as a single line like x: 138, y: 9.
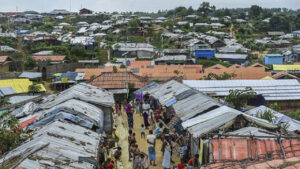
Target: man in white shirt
x: 151, y: 138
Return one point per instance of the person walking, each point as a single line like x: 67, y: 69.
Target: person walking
x: 129, y: 112
x: 151, y: 138
x: 146, y: 108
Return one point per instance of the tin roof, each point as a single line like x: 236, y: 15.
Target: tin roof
x: 269, y: 89
x: 59, y: 144
x: 5, y: 91
x: 218, y: 118
x: 30, y: 75
x: 81, y: 91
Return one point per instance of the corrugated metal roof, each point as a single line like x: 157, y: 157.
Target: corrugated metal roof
x: 253, y: 131
x: 5, y: 91
x: 93, y: 112
x: 193, y: 105
x: 31, y: 75
x: 22, y: 98
x: 216, y: 119
x: 167, y: 91
x: 148, y: 86
x: 82, y: 91
x: 231, y: 56
x: 279, y: 117
x: 59, y: 145
x: 269, y: 89
x: 172, y: 57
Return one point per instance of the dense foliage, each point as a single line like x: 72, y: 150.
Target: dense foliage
x: 239, y: 98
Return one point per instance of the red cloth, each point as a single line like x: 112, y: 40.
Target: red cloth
x: 180, y: 166
x: 111, y: 166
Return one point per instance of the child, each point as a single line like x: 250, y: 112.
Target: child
x: 143, y: 131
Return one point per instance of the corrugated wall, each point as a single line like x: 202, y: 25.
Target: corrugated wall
x: 247, y: 149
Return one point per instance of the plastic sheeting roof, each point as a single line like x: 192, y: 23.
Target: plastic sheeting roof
x: 269, y: 89
x: 94, y: 113
x: 82, y: 91
x: 59, y: 145
x: 279, y: 118
x: 218, y: 118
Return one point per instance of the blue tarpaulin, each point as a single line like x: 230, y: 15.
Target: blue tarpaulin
x: 170, y: 103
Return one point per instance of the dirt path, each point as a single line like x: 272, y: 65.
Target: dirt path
x: 142, y: 143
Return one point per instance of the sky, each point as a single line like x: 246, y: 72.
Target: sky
x: 135, y: 5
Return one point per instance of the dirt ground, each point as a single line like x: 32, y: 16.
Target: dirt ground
x: 142, y: 143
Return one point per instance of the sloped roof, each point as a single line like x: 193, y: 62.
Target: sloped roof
x: 286, y: 67
x: 215, y: 119
x: 51, y: 58
x: 59, y: 144
x: 250, y: 72
x: 81, y: 91
x: 283, y: 74
x: 30, y: 75
x: 110, y: 80
x: 5, y: 91
x: 270, y: 89
x: 278, y: 117
x: 19, y: 85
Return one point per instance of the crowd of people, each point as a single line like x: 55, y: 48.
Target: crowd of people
x: 154, y: 121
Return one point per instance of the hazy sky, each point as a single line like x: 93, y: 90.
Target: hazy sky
x: 134, y: 5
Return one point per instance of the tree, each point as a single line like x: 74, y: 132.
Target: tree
x: 255, y: 11
x: 181, y: 11
x: 29, y: 63
x: 280, y: 23
x: 10, y: 132
x: 115, y: 69
x: 134, y: 23
x: 240, y: 98
x: 3, y: 102
x: 205, y: 8
x: 122, y: 66
x: 34, y: 88
x: 224, y: 76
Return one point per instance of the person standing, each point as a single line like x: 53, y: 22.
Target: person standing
x: 151, y: 138
x: 129, y: 112
x: 118, y: 108
x: 146, y: 108
x: 194, y: 162
x: 167, y: 153
x: 182, y: 141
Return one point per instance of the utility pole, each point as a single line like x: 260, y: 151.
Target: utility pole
x: 127, y: 90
